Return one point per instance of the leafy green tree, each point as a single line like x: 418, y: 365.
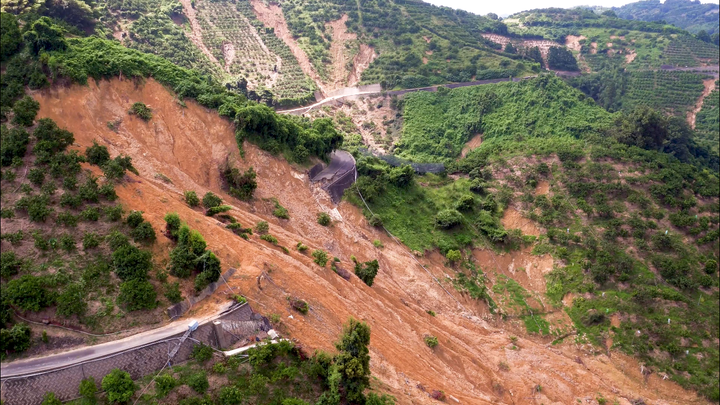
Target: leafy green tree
x: 402, y: 176
x: 51, y: 139
x: 321, y: 257
x: 642, y: 127
x: 324, y: 219
x: 453, y: 256
x: 43, y: 35
x: 131, y: 263
x: 13, y: 144
x: 560, y: 58
x: 509, y: 48
x: 137, y: 294
x: 25, y: 111
x: 367, y: 271
x: 28, y: 293
x: 353, y: 361
x: 10, y: 264
x: 143, y: 233
x: 191, y: 198
x: 88, y: 389
x: 172, y: 292
x: 241, y: 185
x: 448, y: 218
x: 185, y: 257
x: 211, y: 200
x: 164, y: 383
x: 173, y: 223
x: 16, y: 339
x: 119, y: 386
x: 134, y: 219
x: 72, y: 301
x: 51, y: 399
x: 97, y: 154
x: 141, y: 110
x: 10, y: 39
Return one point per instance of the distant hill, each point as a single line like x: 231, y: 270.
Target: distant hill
x: 687, y: 14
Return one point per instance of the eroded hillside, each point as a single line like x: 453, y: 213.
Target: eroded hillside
x: 476, y: 362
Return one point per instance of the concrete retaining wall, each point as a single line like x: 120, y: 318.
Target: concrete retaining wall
x: 140, y: 361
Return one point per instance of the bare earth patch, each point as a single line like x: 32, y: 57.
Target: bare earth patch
x: 573, y: 42
x: 362, y: 61
x: 188, y: 144
x: 473, y: 143
x: 196, y: 33
x: 709, y: 87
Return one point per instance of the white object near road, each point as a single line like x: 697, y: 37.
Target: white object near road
x: 193, y: 325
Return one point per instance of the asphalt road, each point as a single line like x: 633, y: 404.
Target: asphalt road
x: 340, y: 163
x: 73, y: 357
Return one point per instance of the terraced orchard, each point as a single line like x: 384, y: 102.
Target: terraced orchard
x: 688, y: 51
x: 247, y: 49
x: 670, y: 91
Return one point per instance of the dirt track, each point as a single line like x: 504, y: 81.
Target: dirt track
x: 188, y: 144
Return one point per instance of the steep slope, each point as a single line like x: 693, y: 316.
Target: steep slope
x: 475, y: 362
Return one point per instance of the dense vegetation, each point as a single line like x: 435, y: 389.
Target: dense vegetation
x: 644, y: 261
x: 707, y: 121
x: 686, y: 14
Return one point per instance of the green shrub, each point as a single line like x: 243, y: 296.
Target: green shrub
x: 367, y: 271
x: 90, y: 240
x: 28, y: 293
x: 118, y: 386
x: 90, y: 214
x: 301, y: 248
x: 134, y: 219
x: 201, y: 353
x: 72, y: 301
x: 113, y: 213
x: 191, y: 198
x: 66, y: 219
x: 50, y: 140
x: 87, y: 391
x: 269, y: 238
x: 164, y: 383
x: 36, y: 176
x: 14, y: 144
x: 172, y: 225
x: 89, y: 191
x: 711, y: 266
x: 172, y: 292
x: 107, y: 191
x: 320, y: 257
x: 431, y: 341
x: 453, y: 256
x: 240, y: 185
x: 67, y: 242
x: 239, y: 230
x: 141, y: 110
x: 448, y: 218
x: 137, y: 294
x: 97, y: 155
x: 143, y: 233
x: 130, y: 262
x: 299, y: 305
x: 36, y: 207
x: 10, y: 264
x: 216, y: 210
x: 16, y: 339
x: 68, y: 200
x: 324, y: 219
x: 211, y: 200
x: 262, y: 227
x: 25, y: 111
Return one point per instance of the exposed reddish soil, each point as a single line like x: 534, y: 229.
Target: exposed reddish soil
x: 542, y: 188
x: 573, y: 42
x: 630, y: 56
x: 196, y: 33
x: 709, y: 87
x: 473, y: 143
x: 365, y: 56
x: 188, y: 144
x: 338, y: 52
x: 271, y: 15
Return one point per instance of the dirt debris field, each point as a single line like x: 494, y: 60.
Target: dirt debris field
x: 474, y: 362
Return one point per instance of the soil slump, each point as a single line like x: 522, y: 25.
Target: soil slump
x: 188, y: 144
